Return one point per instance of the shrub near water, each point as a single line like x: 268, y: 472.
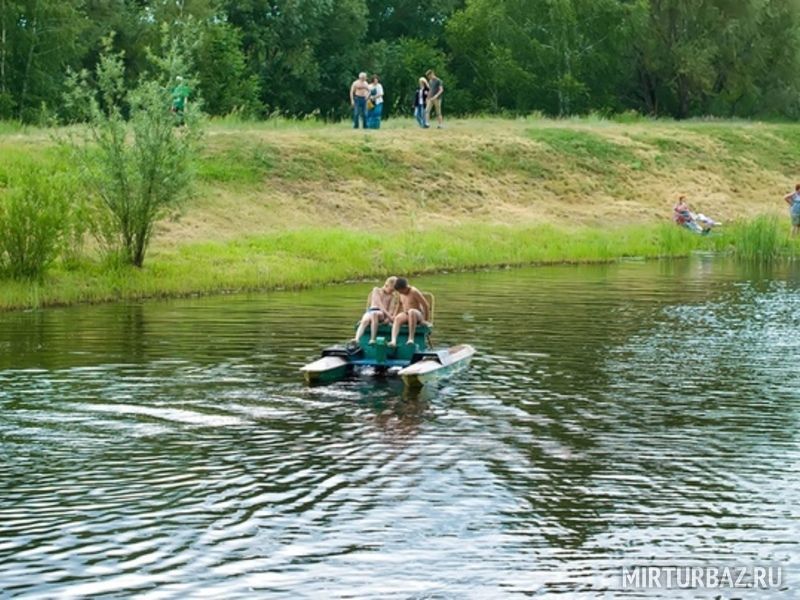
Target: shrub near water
x: 34, y: 221
x: 133, y: 158
x: 759, y: 240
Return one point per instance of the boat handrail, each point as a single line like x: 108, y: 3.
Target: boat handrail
x: 431, y: 302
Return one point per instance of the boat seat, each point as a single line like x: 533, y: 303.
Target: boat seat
x: 404, y: 350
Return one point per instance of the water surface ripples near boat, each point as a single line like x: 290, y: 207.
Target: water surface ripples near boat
x: 617, y: 415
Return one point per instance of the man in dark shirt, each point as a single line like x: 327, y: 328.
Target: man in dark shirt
x: 434, y: 98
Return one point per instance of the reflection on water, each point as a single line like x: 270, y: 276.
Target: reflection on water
x: 615, y: 415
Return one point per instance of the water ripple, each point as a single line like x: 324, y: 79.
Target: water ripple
x: 643, y: 413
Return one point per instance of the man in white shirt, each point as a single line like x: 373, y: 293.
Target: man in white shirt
x: 376, y: 100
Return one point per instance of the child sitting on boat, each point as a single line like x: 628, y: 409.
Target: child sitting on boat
x: 415, y: 310
x: 380, y: 310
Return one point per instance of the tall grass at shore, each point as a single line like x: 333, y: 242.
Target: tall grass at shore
x: 761, y: 239
x: 309, y: 257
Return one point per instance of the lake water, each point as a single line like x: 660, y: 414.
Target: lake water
x: 614, y: 416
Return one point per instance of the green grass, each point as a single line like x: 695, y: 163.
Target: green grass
x: 235, y: 122
x: 765, y: 146
x: 12, y: 127
x: 248, y: 162
x: 238, y: 165
x: 761, y: 240
x: 311, y: 257
x: 510, y: 157
x: 589, y: 150
x: 297, y: 203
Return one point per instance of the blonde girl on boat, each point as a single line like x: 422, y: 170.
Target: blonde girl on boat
x: 381, y: 300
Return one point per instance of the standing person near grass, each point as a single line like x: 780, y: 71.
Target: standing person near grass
x: 376, y: 98
x: 359, y: 92
x: 180, y: 99
x: 436, y: 89
x: 421, y: 103
x: 793, y: 200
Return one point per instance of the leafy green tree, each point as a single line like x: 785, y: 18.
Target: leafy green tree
x: 300, y: 49
x: 34, y: 221
x: 140, y: 26
x: 400, y: 64
x: 492, y: 55
x: 39, y: 39
x: 676, y: 54
x: 133, y: 32
x: 298, y: 57
x: 223, y: 78
x: 696, y: 56
x: 757, y: 61
x: 340, y: 54
x: 553, y: 55
x: 580, y: 45
x: 279, y: 40
x: 8, y: 11
x: 396, y: 19
x: 139, y: 167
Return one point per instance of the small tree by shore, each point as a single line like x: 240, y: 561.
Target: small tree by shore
x: 135, y: 156
x: 35, y: 221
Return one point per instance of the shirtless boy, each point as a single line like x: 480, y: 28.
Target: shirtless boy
x: 414, y: 310
x: 379, y: 311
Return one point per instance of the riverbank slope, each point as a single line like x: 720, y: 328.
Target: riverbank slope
x: 292, y: 204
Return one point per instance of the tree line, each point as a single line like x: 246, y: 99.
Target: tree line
x: 677, y: 58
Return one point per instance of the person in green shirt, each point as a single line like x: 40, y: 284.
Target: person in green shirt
x: 180, y: 98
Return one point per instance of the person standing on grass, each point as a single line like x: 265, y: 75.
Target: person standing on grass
x: 436, y: 89
x: 421, y: 103
x: 359, y: 92
x: 793, y: 200
x: 180, y: 99
x: 376, y: 98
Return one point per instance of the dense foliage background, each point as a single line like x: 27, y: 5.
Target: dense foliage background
x: 677, y: 58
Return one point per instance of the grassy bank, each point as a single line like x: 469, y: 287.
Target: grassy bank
x: 299, y: 204
x: 309, y: 257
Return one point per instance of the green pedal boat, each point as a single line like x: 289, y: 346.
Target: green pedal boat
x: 415, y: 361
